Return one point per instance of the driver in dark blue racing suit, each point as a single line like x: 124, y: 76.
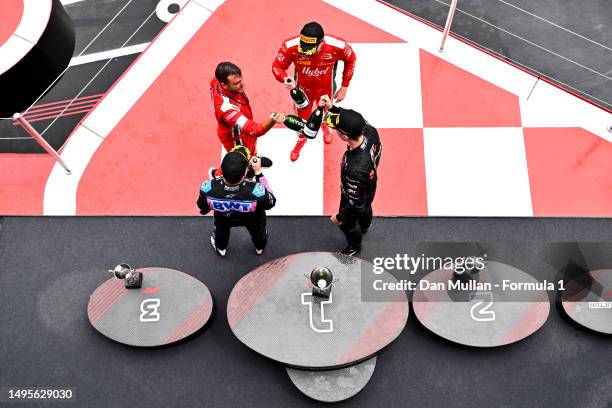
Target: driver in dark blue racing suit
x: 237, y: 201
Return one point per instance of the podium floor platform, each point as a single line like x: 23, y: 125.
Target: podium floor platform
x: 169, y: 307
x: 50, y: 266
x: 272, y: 311
x: 333, y: 385
x: 483, y: 316
x: 587, y: 300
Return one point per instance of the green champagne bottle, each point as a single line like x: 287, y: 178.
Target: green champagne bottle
x: 313, y: 123
x: 294, y: 123
x: 299, y: 97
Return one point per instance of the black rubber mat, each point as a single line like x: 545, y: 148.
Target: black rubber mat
x: 129, y: 22
x: 50, y: 266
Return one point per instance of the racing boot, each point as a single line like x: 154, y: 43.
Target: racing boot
x: 220, y: 252
x: 295, y: 153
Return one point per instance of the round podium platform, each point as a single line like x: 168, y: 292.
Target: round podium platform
x: 587, y: 300
x: 272, y: 311
x: 333, y: 385
x: 37, y: 39
x: 169, y: 307
x: 481, y: 316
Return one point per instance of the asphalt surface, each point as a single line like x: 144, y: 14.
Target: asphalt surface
x: 129, y: 22
x: 50, y: 266
x: 568, y: 42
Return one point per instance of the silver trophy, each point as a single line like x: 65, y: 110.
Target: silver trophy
x: 131, y: 277
x: 322, y: 280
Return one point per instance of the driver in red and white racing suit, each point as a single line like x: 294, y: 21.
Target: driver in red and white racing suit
x: 315, y: 57
x: 235, y: 124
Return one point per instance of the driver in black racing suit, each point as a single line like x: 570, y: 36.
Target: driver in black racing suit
x: 358, y: 172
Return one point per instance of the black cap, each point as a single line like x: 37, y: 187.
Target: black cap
x: 310, y: 37
x: 234, y: 166
x: 347, y: 121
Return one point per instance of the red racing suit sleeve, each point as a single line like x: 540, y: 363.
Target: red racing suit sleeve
x: 281, y: 63
x: 349, y: 58
x: 242, y: 125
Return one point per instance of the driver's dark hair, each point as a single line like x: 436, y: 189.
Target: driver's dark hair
x: 225, y: 69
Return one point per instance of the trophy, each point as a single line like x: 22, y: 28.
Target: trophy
x: 322, y: 280
x: 131, y: 277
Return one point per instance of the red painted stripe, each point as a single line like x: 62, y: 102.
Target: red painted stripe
x: 22, y: 183
x: 454, y: 97
x: 569, y: 306
x: 104, y: 298
x: 192, y: 322
x: 532, y: 319
x: 11, y: 12
x: 254, y: 286
x: 381, y: 331
x: 150, y: 290
x: 101, y: 294
x: 62, y: 103
x: 105, y: 304
x: 54, y: 113
x: 402, y: 168
x: 59, y: 109
x: 423, y: 307
x: 69, y: 112
x: 108, y: 305
x: 570, y: 172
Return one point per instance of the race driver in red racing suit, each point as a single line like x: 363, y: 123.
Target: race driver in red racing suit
x: 235, y: 124
x: 314, y: 56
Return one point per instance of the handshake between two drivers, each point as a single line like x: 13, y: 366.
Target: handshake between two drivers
x: 307, y: 128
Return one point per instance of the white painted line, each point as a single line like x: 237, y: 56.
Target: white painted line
x: 541, y: 74
x: 530, y: 42
x: 147, y: 69
x: 403, y: 109
x: 105, y: 27
x: 12, y: 51
x: 548, y: 106
x: 95, y: 76
x: 476, y: 172
x: 298, y: 186
x: 31, y: 26
x: 67, y: 2
x: 34, y: 21
x: 468, y: 58
x: 162, y: 9
x: 61, y: 190
x: 554, y: 24
x: 210, y: 5
x: 104, y: 55
x: 81, y: 53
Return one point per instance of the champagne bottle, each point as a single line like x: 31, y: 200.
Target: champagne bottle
x: 294, y: 123
x: 313, y: 123
x: 299, y: 97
